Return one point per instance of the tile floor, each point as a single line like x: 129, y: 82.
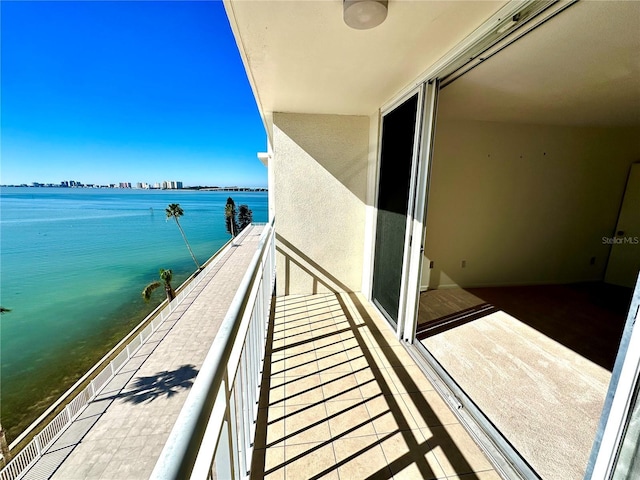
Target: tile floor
x: 342, y: 399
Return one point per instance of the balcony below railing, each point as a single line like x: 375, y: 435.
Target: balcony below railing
x: 132, y: 404
x: 213, y: 436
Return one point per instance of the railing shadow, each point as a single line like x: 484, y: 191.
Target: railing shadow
x: 357, y: 319
x: 319, y: 275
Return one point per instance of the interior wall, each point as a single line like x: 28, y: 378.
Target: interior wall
x: 320, y: 180
x: 523, y: 204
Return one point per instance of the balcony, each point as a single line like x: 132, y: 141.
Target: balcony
x: 342, y: 398
x: 234, y: 383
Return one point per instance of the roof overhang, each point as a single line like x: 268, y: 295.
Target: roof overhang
x: 301, y: 57
x: 582, y: 68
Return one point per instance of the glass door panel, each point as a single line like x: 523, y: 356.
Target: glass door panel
x: 397, y: 149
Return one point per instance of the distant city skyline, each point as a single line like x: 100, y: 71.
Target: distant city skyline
x: 164, y: 185
x: 106, y: 91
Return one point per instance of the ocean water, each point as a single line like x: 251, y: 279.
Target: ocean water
x: 73, y: 263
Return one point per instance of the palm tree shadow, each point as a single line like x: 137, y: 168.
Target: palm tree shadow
x: 162, y: 384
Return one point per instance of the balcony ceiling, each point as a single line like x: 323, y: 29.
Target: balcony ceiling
x: 580, y: 68
x: 300, y: 56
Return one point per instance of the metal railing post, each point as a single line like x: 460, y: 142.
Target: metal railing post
x: 38, y: 446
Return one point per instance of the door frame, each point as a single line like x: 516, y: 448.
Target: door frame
x: 417, y: 226
x: 619, y: 253
x: 620, y: 396
x: 488, y: 39
x: 419, y: 91
x: 509, y: 24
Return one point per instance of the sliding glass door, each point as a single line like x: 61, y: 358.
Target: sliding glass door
x: 397, y: 155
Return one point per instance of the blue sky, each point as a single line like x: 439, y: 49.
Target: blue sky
x: 119, y: 91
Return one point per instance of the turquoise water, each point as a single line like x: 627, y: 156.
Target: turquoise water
x: 73, y: 264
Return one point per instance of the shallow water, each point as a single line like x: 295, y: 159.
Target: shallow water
x: 73, y: 264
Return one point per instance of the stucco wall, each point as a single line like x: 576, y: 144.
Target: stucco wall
x: 320, y: 182
x: 523, y: 204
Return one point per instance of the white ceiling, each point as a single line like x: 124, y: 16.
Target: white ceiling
x: 301, y: 56
x: 580, y: 68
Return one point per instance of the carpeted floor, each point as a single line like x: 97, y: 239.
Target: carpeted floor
x: 536, y: 360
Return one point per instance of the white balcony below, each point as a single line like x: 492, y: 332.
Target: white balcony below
x: 121, y: 433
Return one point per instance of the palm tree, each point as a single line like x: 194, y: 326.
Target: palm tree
x: 245, y: 216
x: 174, y: 210
x: 166, y: 276
x: 4, y: 448
x: 230, y: 217
x: 229, y: 214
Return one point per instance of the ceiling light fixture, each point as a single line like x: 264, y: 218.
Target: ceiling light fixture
x: 364, y: 14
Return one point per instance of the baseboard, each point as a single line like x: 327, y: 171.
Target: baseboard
x: 509, y: 284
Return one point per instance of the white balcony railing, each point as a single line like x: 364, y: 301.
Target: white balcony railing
x: 214, y: 434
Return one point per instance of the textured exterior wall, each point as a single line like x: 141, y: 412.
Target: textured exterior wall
x: 320, y: 181
x: 523, y: 204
